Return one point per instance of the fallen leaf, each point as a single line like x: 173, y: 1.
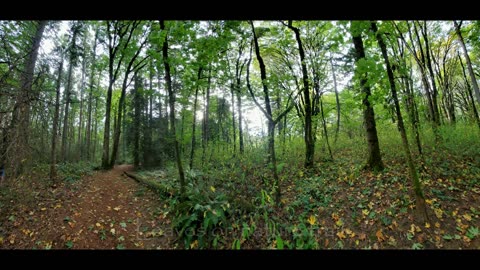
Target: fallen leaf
x: 362, y: 236
x: 117, y: 208
x: 341, y: 235
x: 427, y: 225
x: 112, y: 231
x: 98, y: 224
x: 437, y: 225
x: 311, y: 220
x: 194, y: 244
x: 467, y: 217
x: 339, y: 223
x: 43, y: 209
x: 380, y: 236
x: 212, y: 188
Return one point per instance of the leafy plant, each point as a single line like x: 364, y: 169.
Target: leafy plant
x: 472, y: 232
x: 199, y: 215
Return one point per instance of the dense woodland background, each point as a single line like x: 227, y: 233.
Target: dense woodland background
x: 319, y: 134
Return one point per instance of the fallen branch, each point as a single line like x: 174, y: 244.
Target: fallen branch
x: 149, y: 183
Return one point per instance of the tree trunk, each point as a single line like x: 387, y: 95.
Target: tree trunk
x: 232, y: 92
x: 88, y: 134
x: 118, y: 121
x: 194, y: 122
x: 469, y: 92
x: 337, y: 101
x: 374, y: 160
x: 82, y: 90
x: 68, y: 91
x: 205, y: 129
x: 469, y: 63
x: 136, y: 122
x: 240, y: 119
x: 53, y: 154
x: 119, y: 31
x: 432, y: 75
x: 21, y: 112
x: 308, y: 134
x: 171, y: 101
x: 324, y: 124
x: 419, y: 197
x: 267, y: 112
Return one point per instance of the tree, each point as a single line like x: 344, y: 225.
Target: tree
x: 417, y: 187
x: 171, y: 101
x: 308, y: 134
x: 267, y: 111
x: 73, y: 49
x: 374, y: 160
x: 132, y: 65
x: 88, y: 131
x: 467, y: 58
x: 53, y: 154
x: 119, y: 35
x: 21, y: 111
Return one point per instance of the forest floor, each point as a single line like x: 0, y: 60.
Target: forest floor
x: 230, y: 203
x: 104, y: 210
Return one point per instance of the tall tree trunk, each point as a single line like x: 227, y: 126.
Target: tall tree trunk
x: 21, y: 112
x: 419, y: 197
x: 374, y: 160
x: 469, y: 92
x: 412, y: 116
x: 432, y: 74
x: 68, y: 93
x: 136, y: 122
x: 469, y: 63
x: 118, y: 120
x: 171, y: 101
x: 121, y: 104
x: 240, y: 120
x: 337, y: 101
x: 267, y: 112
x: 205, y: 128
x: 82, y: 90
x: 90, y: 96
x: 194, y: 122
x: 119, y: 31
x: 324, y: 124
x: 308, y: 134
x: 95, y: 128
x: 53, y: 153
x: 232, y: 92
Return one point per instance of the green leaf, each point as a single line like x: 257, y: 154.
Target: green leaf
x: 417, y: 246
x: 69, y: 244
x: 279, y: 242
x: 447, y: 237
x: 120, y: 247
x: 123, y: 224
x: 236, y: 244
x: 472, y: 232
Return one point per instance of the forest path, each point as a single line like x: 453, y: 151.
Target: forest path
x: 105, y: 210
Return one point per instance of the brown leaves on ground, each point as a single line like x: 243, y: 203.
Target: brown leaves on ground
x: 102, y: 211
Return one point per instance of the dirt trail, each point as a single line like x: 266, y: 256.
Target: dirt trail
x: 106, y: 210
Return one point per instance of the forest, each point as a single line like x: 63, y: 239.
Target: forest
x: 224, y: 134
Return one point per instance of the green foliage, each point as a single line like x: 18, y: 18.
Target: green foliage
x: 199, y: 219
